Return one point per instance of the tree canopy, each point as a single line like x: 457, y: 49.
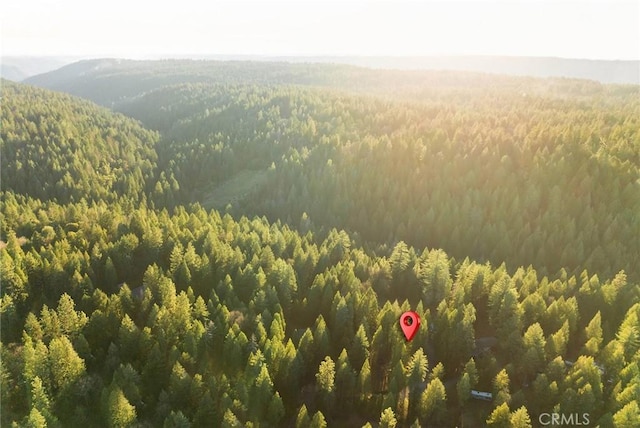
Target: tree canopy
x: 234, y: 245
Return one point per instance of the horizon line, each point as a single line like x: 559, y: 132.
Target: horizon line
x: 163, y: 56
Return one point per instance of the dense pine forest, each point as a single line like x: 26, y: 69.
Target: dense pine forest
x: 231, y: 244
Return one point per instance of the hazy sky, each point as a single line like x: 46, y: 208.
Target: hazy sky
x: 135, y: 28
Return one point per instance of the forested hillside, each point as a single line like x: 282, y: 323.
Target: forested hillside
x: 238, y: 251
x: 112, y: 82
x: 525, y: 180
x: 55, y: 146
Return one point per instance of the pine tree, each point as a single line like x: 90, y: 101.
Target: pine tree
x: 207, y: 412
x: 500, y: 417
x: 345, y: 382
x: 433, y: 402
x: 66, y: 366
x: 501, y: 392
x: 35, y: 419
x: 387, y: 419
x: 176, y: 420
x: 119, y: 412
x: 359, y: 350
x: 325, y: 380
x: 318, y: 421
x: 593, y: 333
x: 40, y: 404
x: 230, y: 420
x: 303, y: 420
x: 321, y: 340
x: 534, y: 345
x: 520, y: 418
x: 71, y: 322
x: 275, y: 411
x: 628, y: 416
x: 463, y: 387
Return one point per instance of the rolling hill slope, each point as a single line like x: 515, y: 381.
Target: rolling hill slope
x: 503, y: 211
x: 55, y: 146
x: 113, y: 81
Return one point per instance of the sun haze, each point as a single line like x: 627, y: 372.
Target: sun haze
x: 570, y: 29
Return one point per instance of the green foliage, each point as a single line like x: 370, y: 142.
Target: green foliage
x: 500, y: 417
x: 628, y: 416
x: 508, y: 223
x: 35, y: 420
x: 463, y: 388
x: 303, y: 419
x: 58, y: 147
x: 433, y: 402
x: 520, y: 418
x: 388, y: 419
x: 118, y: 410
x: 325, y: 379
x: 66, y: 366
x: 501, y: 392
x: 318, y: 421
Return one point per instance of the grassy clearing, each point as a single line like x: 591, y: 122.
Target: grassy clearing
x: 233, y: 190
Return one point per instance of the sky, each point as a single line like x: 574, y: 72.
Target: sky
x: 145, y: 29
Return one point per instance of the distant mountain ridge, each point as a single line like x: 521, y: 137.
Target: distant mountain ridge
x: 113, y: 82
x: 18, y: 68
x: 604, y: 71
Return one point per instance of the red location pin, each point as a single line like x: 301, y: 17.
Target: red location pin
x: 409, y: 321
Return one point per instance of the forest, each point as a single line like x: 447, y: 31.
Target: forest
x: 205, y: 243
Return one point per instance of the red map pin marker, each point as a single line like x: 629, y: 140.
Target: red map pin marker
x: 409, y: 321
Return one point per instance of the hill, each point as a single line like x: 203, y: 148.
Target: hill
x: 55, y: 146
x: 317, y: 69
x: 623, y: 72
x: 545, y: 180
x: 113, y: 81
x: 503, y: 210
x: 485, y: 159
x: 11, y: 72
x: 18, y: 68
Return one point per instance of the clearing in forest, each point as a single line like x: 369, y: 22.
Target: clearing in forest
x: 234, y: 189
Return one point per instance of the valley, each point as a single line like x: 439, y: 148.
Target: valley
x: 231, y: 243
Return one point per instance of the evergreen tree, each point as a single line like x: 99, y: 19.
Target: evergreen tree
x: 318, y: 421
x: 627, y: 416
x: 325, y: 379
x: 433, y: 402
x: 387, y: 419
x: 66, y: 366
x: 119, y: 412
x: 501, y: 392
x: 129, y: 298
x: 520, y: 418
x: 303, y: 419
x: 593, y: 333
x: 500, y: 417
